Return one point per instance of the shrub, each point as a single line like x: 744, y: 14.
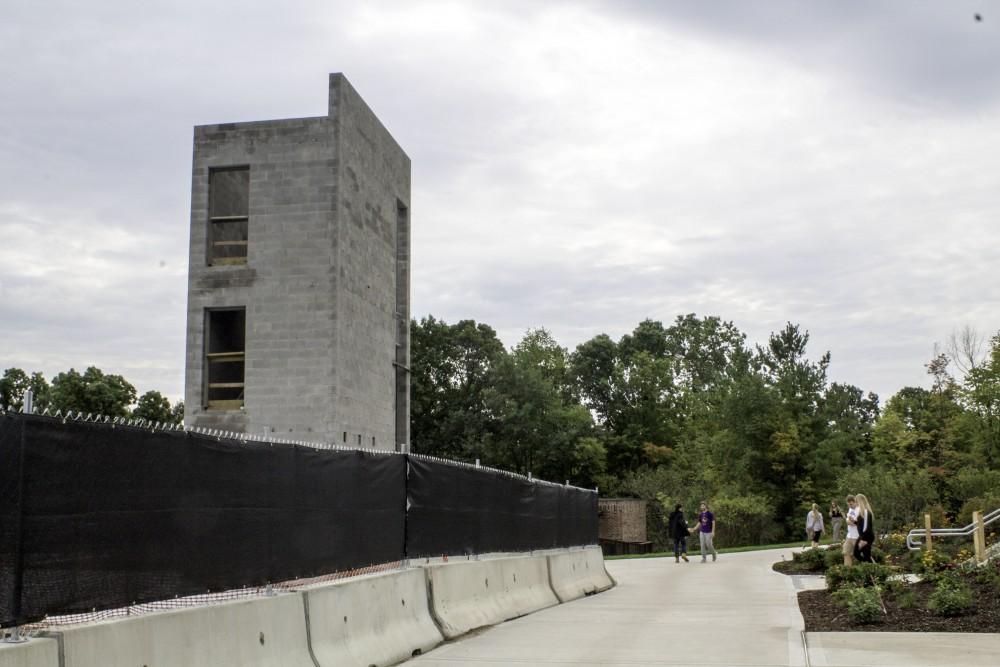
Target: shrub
x: 863, y: 604
x: 860, y: 575
x: 896, y: 587
x: 989, y: 575
x: 893, y: 544
x: 746, y: 519
x: 811, y: 559
x: 843, y: 594
x: 934, y: 560
x: 833, y: 556
x: 906, y: 599
x: 902, y: 592
x: 952, y: 597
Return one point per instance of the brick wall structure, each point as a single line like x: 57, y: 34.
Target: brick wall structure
x: 622, y: 519
x: 325, y: 283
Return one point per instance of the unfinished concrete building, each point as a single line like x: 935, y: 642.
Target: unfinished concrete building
x: 298, y: 288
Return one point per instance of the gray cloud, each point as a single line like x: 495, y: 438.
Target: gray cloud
x: 926, y: 52
x: 578, y: 167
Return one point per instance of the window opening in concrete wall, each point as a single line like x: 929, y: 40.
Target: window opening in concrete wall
x: 228, y: 215
x: 225, y: 358
x: 402, y: 380
x: 345, y: 436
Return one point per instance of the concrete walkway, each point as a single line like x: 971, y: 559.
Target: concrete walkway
x: 735, y: 612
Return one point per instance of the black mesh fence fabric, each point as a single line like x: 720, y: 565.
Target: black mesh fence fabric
x: 10, y: 516
x: 95, y: 516
x: 459, y: 510
x: 112, y: 516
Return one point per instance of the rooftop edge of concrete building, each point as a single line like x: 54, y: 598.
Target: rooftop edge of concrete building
x: 299, y: 278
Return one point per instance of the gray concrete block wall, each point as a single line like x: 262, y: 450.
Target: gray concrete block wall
x: 286, y: 285
x: 319, y: 286
x: 374, y: 182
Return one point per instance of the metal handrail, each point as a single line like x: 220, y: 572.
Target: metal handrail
x: 914, y: 544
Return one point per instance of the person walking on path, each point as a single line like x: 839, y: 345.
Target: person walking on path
x: 706, y: 532
x: 678, y: 530
x: 866, y: 530
x: 814, y: 525
x: 836, y: 520
x: 852, y: 530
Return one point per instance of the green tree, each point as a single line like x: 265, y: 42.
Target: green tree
x: 451, y: 368
x: 707, y: 352
x: 981, y: 393
x: 153, y: 407
x: 843, y: 436
x: 799, y: 381
x: 93, y: 392
x: 595, y: 372
x: 899, y: 495
x: 629, y: 387
x: 532, y: 428
x: 15, y: 382
x: 590, y: 462
x: 540, y: 350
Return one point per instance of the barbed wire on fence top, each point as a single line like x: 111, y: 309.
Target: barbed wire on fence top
x: 219, y: 434
x: 243, y: 438
x: 499, y: 471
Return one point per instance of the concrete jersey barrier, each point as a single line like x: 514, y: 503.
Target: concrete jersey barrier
x: 37, y: 652
x: 261, y: 632
x: 473, y: 594
x: 374, y: 620
x: 575, y: 574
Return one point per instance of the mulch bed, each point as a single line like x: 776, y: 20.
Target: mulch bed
x: 792, y: 567
x: 822, y: 614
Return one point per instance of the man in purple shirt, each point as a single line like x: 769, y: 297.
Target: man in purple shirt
x: 706, y: 532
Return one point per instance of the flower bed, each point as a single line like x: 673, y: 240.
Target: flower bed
x: 908, y: 609
x: 951, y: 597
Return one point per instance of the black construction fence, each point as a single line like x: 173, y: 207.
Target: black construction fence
x: 98, y: 516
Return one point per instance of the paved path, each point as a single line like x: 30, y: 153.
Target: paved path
x: 735, y: 612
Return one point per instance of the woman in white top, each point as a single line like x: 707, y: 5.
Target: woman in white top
x: 814, y: 525
x: 852, y: 530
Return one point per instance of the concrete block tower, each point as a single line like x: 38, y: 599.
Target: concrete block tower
x: 299, y: 278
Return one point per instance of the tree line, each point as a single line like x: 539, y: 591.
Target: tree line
x: 671, y: 414
x: 692, y: 411
x: 90, y: 392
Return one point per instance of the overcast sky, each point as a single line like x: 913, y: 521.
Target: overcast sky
x: 578, y: 166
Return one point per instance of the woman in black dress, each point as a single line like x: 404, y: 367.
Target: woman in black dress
x: 866, y: 530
